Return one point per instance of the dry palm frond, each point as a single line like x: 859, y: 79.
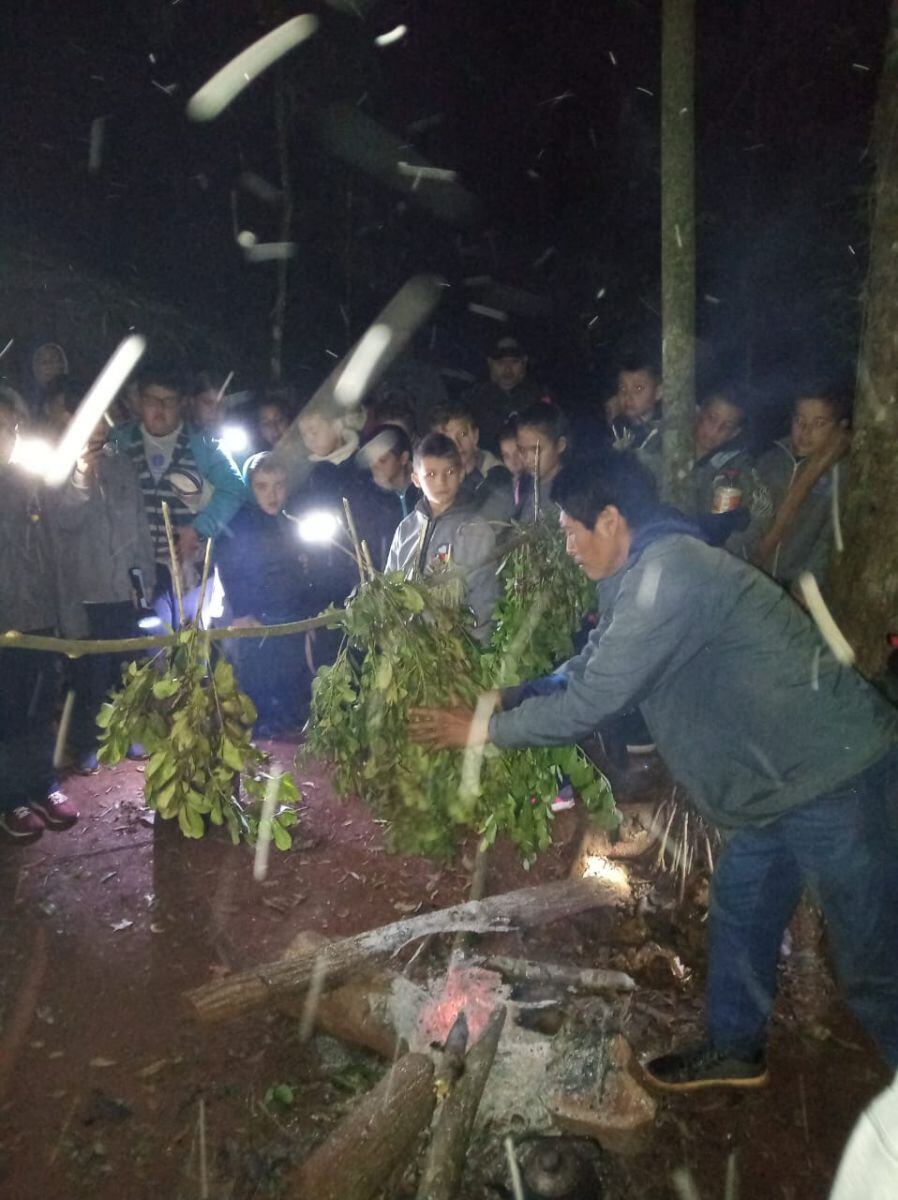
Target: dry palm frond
x: 685, y: 838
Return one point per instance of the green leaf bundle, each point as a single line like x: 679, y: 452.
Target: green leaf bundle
x: 196, y: 726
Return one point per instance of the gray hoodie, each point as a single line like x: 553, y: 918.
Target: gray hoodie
x: 808, y: 544
x: 750, y: 711
x: 102, y: 533
x: 458, y: 538
x: 27, y: 569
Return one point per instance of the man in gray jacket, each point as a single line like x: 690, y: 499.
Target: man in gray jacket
x: 29, y: 799
x: 793, y: 756
x: 104, y: 549
x: 440, y: 533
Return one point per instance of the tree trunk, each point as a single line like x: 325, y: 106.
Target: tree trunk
x: 865, y: 574
x: 678, y: 245
x: 266, y: 984
x: 359, y: 1157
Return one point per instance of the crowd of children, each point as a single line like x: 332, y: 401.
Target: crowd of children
x: 426, y: 490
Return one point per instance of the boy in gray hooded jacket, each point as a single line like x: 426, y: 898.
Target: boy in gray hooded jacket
x: 441, y: 532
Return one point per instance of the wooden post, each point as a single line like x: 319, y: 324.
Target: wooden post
x: 865, y: 574
x: 678, y: 245
x: 359, y: 1157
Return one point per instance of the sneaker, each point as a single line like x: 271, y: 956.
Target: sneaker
x: 702, y: 1066
x: 87, y: 764
x: 136, y: 752
x: 57, y: 810
x: 21, y: 824
x: 564, y: 800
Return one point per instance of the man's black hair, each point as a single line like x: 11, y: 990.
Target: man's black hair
x: 730, y: 394
x: 437, y: 445
x: 165, y: 375
x: 509, y: 430
x: 549, y: 419
x: 612, y: 478
x: 640, y: 361
x: 830, y: 394
x: 452, y: 410
x: 390, y: 439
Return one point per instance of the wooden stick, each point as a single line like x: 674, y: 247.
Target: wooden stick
x: 76, y: 648
x: 357, y: 1160
x: 354, y: 537
x: 173, y: 556
x: 264, y: 985
x: 207, y: 562
x: 447, y: 1153
x: 796, y: 496
x: 589, y: 979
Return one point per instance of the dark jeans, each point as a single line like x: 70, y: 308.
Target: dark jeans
x: 842, y: 846
x: 29, y: 682
x: 94, y: 676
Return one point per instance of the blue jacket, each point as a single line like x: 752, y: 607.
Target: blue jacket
x: 215, y: 465
x: 749, y: 709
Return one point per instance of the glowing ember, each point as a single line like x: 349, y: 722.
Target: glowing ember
x: 472, y: 989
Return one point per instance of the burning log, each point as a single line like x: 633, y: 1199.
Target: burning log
x: 266, y: 984
x: 361, y: 1154
x: 589, y: 979
x: 445, y: 1162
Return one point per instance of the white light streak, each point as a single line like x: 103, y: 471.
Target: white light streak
x: 823, y: 619
x: 267, y: 251
x: 392, y: 36
x: 90, y: 411
x: 63, y: 734
x: 318, y: 527
x: 353, y: 382
x: 441, y: 174
x: 263, y: 837
x: 310, y: 1008
x: 483, y: 310
x: 95, y: 153
x: 227, y: 84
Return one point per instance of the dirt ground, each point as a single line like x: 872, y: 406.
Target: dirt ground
x: 108, y: 1090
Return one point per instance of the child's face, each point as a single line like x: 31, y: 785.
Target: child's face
x: 717, y: 423
x: 270, y: 491
x: 439, y: 479
x: 550, y: 451
x: 511, y: 455
x: 638, y: 393
x: 390, y: 470
x: 466, y: 436
x: 272, y: 423
x: 813, y: 425
x: 321, y: 436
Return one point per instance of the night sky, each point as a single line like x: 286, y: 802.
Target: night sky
x: 549, y: 114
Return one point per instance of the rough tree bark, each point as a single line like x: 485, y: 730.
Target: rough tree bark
x: 678, y: 245
x: 865, y: 574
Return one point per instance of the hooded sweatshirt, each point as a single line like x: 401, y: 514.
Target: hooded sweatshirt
x: 749, y: 709
x: 458, y: 538
x: 808, y: 544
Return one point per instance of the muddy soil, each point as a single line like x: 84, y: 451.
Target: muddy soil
x: 108, y: 1090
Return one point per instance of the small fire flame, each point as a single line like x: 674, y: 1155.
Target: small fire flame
x: 472, y: 989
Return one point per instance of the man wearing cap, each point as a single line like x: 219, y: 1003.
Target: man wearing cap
x: 385, y: 494
x: 509, y: 389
